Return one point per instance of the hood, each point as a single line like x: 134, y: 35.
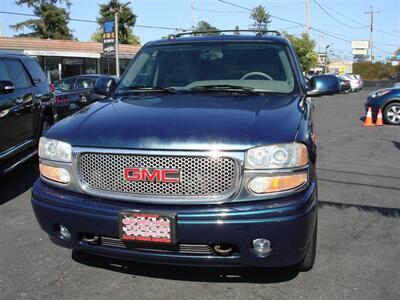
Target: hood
x: 183, y: 122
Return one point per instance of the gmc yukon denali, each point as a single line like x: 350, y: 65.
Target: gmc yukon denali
x: 202, y: 154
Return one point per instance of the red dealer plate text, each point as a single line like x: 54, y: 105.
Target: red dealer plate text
x: 153, y: 228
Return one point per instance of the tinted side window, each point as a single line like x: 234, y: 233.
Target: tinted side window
x: 85, y: 83
x: 4, y: 75
x: 35, y: 70
x: 18, y: 74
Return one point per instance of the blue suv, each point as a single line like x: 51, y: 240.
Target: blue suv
x: 202, y: 154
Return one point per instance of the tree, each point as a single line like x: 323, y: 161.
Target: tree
x: 397, y: 52
x: 126, y: 21
x: 261, y: 18
x: 236, y: 31
x: 304, y: 47
x: 52, y: 22
x: 205, y: 26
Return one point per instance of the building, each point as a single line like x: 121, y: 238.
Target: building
x: 338, y: 66
x: 63, y: 58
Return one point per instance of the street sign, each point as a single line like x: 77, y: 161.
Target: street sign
x: 360, y: 44
x: 360, y: 51
x: 109, y: 37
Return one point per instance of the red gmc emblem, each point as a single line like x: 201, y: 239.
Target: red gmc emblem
x: 158, y: 175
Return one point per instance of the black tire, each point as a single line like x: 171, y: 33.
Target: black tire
x: 308, y: 261
x: 391, y: 113
x: 45, y: 125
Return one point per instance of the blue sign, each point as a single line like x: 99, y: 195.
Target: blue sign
x: 108, y: 26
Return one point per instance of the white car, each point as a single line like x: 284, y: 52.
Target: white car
x: 356, y: 82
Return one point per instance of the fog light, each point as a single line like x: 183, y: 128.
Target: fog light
x: 262, y: 247
x: 65, y: 232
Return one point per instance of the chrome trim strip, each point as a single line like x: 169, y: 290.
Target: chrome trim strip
x: 10, y: 151
x: 21, y: 161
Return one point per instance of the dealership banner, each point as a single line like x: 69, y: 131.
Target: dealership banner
x: 109, y: 37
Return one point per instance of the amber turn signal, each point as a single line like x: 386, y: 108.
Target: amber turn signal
x: 264, y: 185
x: 54, y: 173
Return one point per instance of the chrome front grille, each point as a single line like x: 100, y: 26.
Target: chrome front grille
x: 200, y: 176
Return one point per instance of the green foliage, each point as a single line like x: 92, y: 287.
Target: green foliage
x: 304, y: 47
x: 205, y: 26
x: 126, y: 21
x: 375, y: 71
x: 236, y: 31
x: 397, y: 52
x: 52, y: 22
x: 261, y: 18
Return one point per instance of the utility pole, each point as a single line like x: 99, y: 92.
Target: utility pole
x: 308, y: 16
x: 193, y: 15
x: 117, y: 69
x: 116, y: 45
x: 371, y: 36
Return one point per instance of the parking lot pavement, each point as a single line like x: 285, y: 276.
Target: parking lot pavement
x: 358, y: 237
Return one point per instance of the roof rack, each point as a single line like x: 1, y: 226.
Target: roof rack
x: 258, y: 32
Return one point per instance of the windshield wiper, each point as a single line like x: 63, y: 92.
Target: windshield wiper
x: 225, y: 88
x: 149, y: 88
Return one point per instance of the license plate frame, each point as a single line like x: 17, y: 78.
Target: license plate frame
x: 139, y: 235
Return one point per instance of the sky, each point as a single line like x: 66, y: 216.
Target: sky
x: 348, y: 20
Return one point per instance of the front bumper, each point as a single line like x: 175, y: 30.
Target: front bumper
x: 287, y: 222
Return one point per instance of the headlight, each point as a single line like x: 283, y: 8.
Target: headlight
x: 54, y: 150
x: 277, y: 156
x: 380, y: 93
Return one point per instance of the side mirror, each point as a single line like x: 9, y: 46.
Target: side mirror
x: 6, y: 86
x: 105, y: 85
x: 323, y: 85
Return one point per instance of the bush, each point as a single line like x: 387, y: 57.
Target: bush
x: 376, y: 71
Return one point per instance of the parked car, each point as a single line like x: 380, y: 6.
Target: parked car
x: 355, y: 83
x: 74, y: 93
x: 396, y: 84
x: 26, y: 109
x: 389, y: 101
x: 345, y: 86
x: 203, y: 154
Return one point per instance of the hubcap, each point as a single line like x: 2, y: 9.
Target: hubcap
x: 393, y: 114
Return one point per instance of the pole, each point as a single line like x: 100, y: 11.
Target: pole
x: 326, y: 58
x: 308, y: 16
x: 116, y: 45
x: 371, y: 35
x: 193, y: 15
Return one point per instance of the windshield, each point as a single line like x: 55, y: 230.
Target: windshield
x: 262, y: 67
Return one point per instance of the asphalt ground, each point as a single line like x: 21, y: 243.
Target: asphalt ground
x: 358, y: 237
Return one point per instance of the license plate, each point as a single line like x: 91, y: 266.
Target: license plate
x: 143, y: 227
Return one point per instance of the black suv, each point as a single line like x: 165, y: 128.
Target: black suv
x: 26, y: 109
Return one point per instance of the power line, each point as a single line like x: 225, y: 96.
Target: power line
x: 355, y: 21
x: 334, y: 18
x: 344, y: 16
x: 94, y: 22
